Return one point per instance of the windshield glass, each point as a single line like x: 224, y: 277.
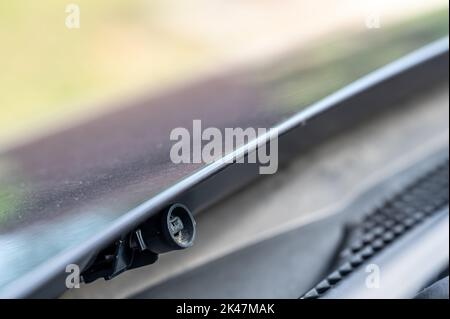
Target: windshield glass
x: 91, y: 91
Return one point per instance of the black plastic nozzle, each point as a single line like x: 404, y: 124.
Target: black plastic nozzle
x: 171, y: 229
x: 174, y: 230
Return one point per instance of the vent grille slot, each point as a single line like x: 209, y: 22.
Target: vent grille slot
x: 422, y: 199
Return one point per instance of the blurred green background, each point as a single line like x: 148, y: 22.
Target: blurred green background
x: 52, y: 76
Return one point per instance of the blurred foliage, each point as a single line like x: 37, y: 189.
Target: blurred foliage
x: 52, y: 76
x: 338, y: 61
x: 10, y: 193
